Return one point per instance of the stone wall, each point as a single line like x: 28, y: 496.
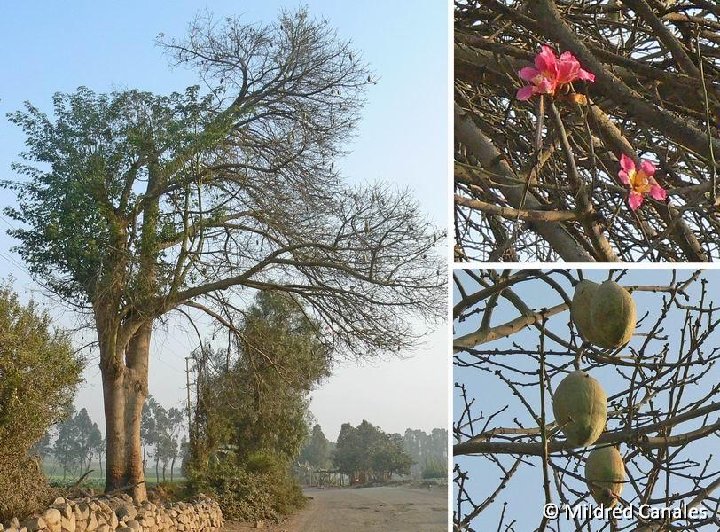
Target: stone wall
x: 103, y: 514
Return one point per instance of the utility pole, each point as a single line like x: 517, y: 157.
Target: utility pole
x: 189, y: 414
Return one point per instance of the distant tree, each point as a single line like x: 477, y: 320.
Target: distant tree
x: 98, y: 445
x: 387, y: 457
x: 170, y: 439
x: 316, y: 451
x: 148, y: 434
x: 77, y: 443
x: 347, y: 456
x: 366, y: 453
x: 67, y: 449
x: 135, y: 205
x: 428, y: 451
x: 87, y: 435
x: 177, y: 441
x: 435, y: 468
x: 160, y: 430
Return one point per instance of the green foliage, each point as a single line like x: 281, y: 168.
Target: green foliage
x: 76, y: 206
x: 367, y: 452
x: 78, y: 440
x: 387, y: 456
x: 261, y: 489
x: 259, y: 402
x: 435, y: 468
x: 160, y: 429
x: 38, y: 376
x: 316, y: 451
x: 252, y: 411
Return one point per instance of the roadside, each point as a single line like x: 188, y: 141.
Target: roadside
x: 399, y: 509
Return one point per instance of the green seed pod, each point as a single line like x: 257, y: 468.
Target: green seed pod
x: 605, y: 474
x: 613, y: 315
x: 605, y: 314
x: 580, y: 408
x: 581, y: 308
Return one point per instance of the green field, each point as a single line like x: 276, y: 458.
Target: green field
x: 96, y: 479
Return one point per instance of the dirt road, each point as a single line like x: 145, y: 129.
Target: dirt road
x: 394, y: 509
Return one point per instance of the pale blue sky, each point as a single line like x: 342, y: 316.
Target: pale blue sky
x: 402, y: 139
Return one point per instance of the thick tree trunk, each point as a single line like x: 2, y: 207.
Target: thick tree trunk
x: 124, y: 391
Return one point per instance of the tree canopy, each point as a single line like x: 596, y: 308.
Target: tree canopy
x: 159, y: 202
x: 366, y: 453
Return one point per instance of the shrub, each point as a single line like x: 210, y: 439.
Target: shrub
x: 38, y: 375
x: 261, y: 489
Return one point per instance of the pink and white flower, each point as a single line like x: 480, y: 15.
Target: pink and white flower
x: 640, y: 181
x: 550, y: 73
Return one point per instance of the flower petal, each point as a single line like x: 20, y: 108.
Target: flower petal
x: 647, y: 167
x: 658, y: 192
x: 546, y: 61
x: 528, y: 73
x: 568, y: 71
x: 624, y: 177
x: 585, y: 75
x: 525, y: 93
x: 545, y: 86
x: 635, y: 200
x: 626, y: 163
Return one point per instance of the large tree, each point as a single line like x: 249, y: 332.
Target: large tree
x: 136, y: 205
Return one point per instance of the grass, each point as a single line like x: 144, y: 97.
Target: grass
x: 96, y: 479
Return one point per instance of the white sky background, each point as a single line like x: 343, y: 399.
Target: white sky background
x: 402, y: 139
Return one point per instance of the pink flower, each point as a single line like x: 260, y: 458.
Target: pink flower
x: 640, y: 181
x: 550, y: 73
